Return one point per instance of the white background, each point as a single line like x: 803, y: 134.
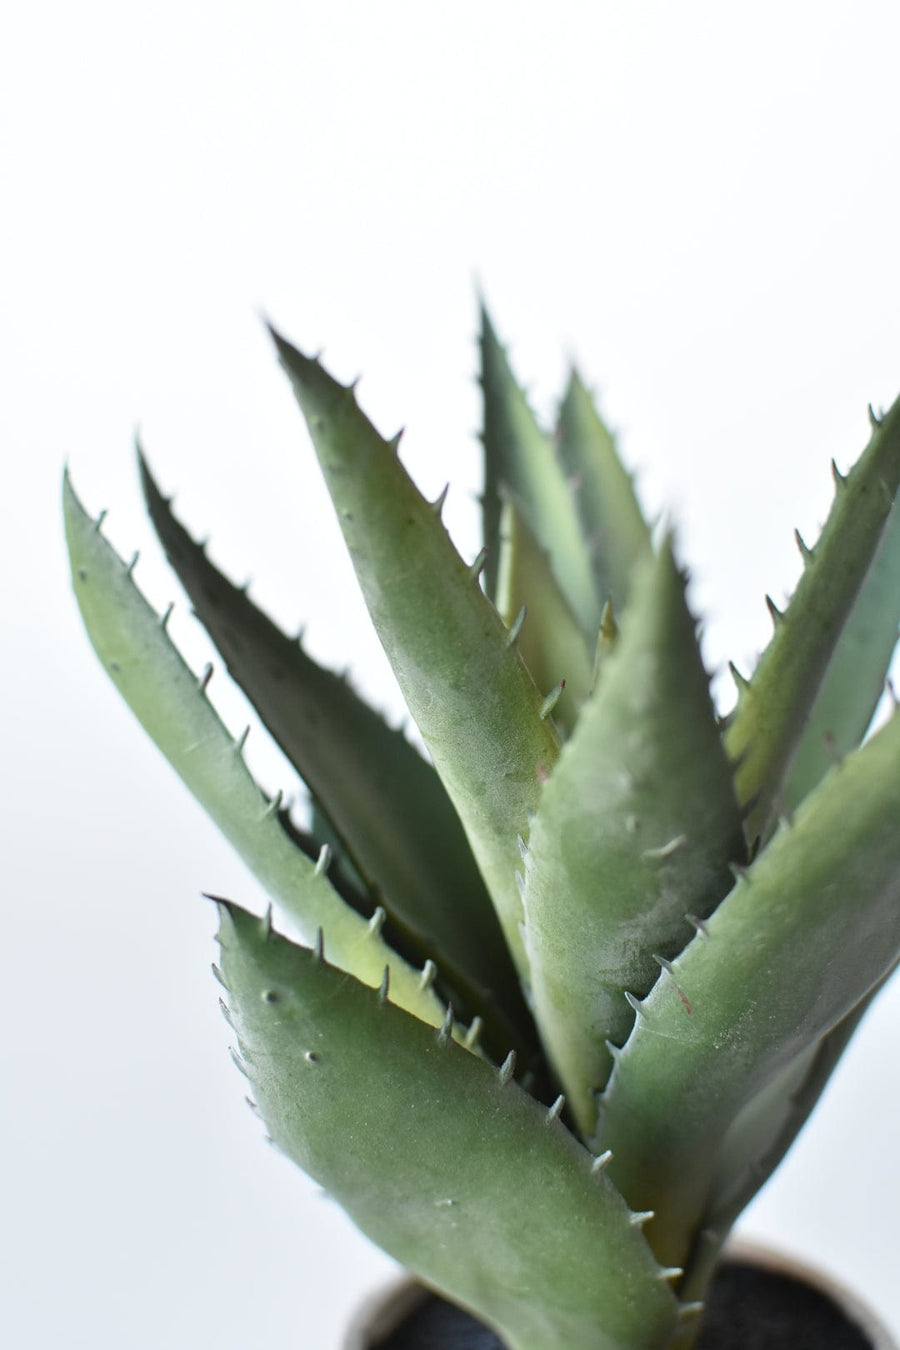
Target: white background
x: 698, y: 201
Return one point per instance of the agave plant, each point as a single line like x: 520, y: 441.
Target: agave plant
x: 544, y: 1010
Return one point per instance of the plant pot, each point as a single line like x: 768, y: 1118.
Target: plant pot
x: 759, y: 1300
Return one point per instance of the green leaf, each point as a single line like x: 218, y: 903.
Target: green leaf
x: 521, y: 460
x: 774, y: 708
x: 802, y: 938
x: 854, y: 681
x: 438, y: 1157
x: 605, y: 499
x: 386, y: 804
x: 758, y: 1140
x: 171, y: 704
x: 463, y: 680
x: 552, y: 644
x: 635, y: 830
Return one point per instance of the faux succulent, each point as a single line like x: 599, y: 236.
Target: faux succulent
x: 568, y: 988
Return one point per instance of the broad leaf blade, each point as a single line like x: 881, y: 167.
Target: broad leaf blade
x: 774, y: 708
x: 463, y: 680
x: 452, y: 1170
x: 635, y: 830
x: 802, y: 938
x: 609, y: 510
x: 171, y: 704
x: 552, y: 644
x: 385, y: 803
x: 520, y: 459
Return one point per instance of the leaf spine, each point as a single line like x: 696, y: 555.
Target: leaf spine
x: 520, y: 884
x: 166, y: 615
x: 241, y: 741
x: 385, y: 985
x: 775, y: 614
x: 477, y: 567
x: 507, y: 1068
x: 875, y: 418
x: 323, y: 860
x: 226, y: 1013
x: 318, y: 951
x: 376, y: 923
x: 686, y: 1310
x: 634, y: 1003
x: 217, y: 974
x: 515, y: 628
x: 426, y: 979
x: 552, y: 699
x: 101, y: 516
x: 133, y: 561
x: 523, y: 847
x: 445, y: 1030
x: 840, y: 479
x: 265, y: 924
x: 741, y: 682
x: 437, y: 505
x: 554, y: 1111
x: 639, y: 1217
x: 238, y: 1062
x: 739, y: 871
x: 205, y: 677
x: 806, y: 553
x: 600, y: 1162
x: 274, y: 806
x: 670, y: 1273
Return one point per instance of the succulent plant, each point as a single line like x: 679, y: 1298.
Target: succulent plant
x: 544, y: 1010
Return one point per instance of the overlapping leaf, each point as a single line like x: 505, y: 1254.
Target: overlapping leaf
x: 802, y: 938
x: 635, y: 830
x: 551, y: 641
x: 774, y: 708
x: 385, y: 803
x: 520, y: 459
x: 464, y: 682
x: 442, y: 1160
x: 605, y: 499
x: 171, y: 704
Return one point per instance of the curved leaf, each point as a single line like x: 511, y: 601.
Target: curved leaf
x: 854, y: 680
x: 552, y: 644
x: 635, y: 830
x: 604, y: 496
x: 171, y: 704
x: 802, y: 938
x: 384, y: 801
x: 439, y: 1158
x: 773, y: 709
x: 521, y: 460
x: 463, y: 680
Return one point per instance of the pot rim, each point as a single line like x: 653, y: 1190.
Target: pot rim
x: 385, y: 1310
x: 787, y: 1263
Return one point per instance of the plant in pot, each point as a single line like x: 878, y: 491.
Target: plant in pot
x: 544, y: 1011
